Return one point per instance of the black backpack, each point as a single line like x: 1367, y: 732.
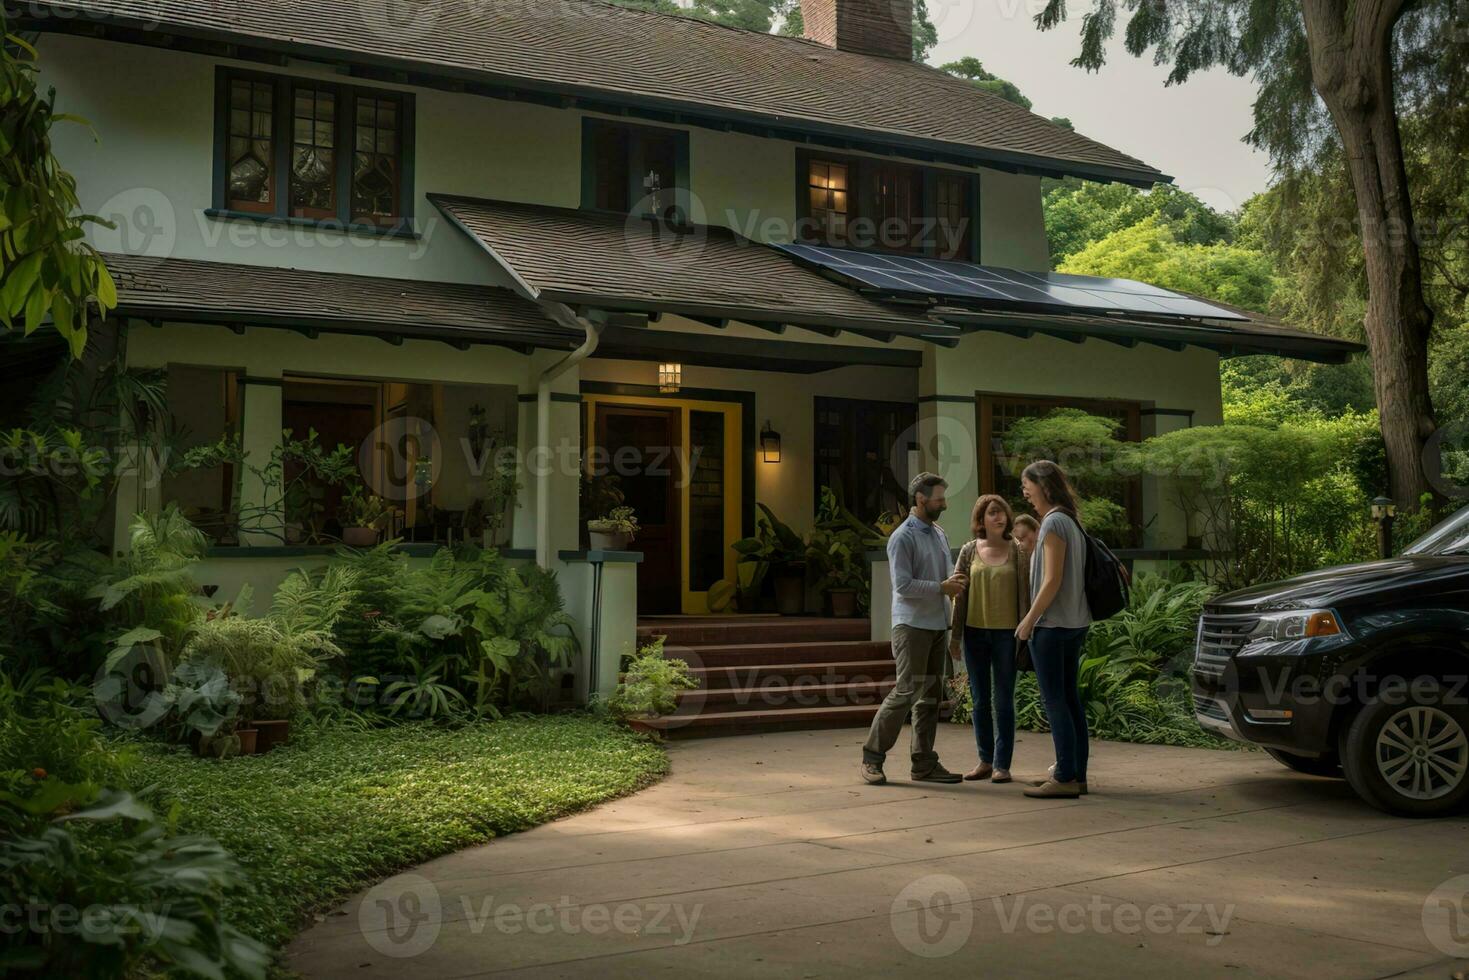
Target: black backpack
x: 1107, y: 581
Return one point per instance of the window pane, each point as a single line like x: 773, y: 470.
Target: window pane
x: 250, y: 143
x: 376, y: 165
x: 313, y: 156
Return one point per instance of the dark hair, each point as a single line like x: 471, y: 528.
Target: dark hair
x: 1026, y: 520
x: 982, y: 506
x: 1053, y: 483
x: 923, y: 483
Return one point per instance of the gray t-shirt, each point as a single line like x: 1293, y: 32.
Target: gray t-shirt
x: 1069, y: 609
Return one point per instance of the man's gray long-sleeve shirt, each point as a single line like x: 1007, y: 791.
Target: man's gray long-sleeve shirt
x: 919, y: 561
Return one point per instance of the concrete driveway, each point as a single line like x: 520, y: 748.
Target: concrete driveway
x: 767, y: 856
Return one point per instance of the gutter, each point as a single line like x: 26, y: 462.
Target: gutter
x: 563, y: 315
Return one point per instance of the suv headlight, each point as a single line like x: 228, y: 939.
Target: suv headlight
x: 1297, y: 624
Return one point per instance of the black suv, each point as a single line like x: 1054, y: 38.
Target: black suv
x: 1360, y: 670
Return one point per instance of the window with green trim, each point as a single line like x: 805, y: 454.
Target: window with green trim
x: 301, y: 148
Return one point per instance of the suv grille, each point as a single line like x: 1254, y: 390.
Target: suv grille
x: 1210, y: 708
x: 1220, y: 638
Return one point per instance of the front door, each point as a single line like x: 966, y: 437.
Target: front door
x: 641, y: 451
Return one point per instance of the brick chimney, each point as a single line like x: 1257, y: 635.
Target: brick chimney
x: 878, y: 27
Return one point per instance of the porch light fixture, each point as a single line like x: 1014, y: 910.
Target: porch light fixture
x: 670, y: 377
x: 769, y: 444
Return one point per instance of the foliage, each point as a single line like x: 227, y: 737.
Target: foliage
x: 773, y: 545
x: 54, y: 478
x: 486, y: 630
x: 149, y: 897
x: 836, y: 549
x: 1087, y: 447
x: 971, y: 68
x: 650, y: 684
x: 280, y: 500
x: 1079, y: 213
x: 46, y: 266
x: 1148, y: 251
x: 340, y: 808
x: 265, y: 663
x: 361, y: 508
x: 618, y: 520
x: 150, y: 589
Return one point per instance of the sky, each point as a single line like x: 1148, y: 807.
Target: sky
x: 1191, y: 131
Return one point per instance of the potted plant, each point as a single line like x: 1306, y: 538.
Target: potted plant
x: 614, y: 530
x: 777, y: 550
x: 837, y: 563
x: 363, y: 515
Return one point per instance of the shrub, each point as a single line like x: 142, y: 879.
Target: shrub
x: 650, y: 684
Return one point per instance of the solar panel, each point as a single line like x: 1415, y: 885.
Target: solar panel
x: 998, y: 287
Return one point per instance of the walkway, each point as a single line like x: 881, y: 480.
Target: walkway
x: 765, y: 856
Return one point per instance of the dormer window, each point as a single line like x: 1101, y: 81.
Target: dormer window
x: 860, y: 202
x: 314, y: 150
x: 627, y: 169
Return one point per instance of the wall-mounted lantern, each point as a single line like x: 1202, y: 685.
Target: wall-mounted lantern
x: 769, y: 444
x: 670, y: 378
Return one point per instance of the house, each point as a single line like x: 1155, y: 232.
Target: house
x: 726, y: 267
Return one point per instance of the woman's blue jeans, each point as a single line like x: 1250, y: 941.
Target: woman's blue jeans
x: 1056, y: 654
x: 989, y: 658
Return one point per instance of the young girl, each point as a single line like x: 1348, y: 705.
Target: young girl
x: 1057, y: 622
x: 995, y: 598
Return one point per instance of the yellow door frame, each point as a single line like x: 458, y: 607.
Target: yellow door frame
x: 733, y: 412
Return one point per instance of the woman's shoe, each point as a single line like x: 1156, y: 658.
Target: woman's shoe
x: 1003, y: 776
x: 1052, y: 790
x: 981, y: 771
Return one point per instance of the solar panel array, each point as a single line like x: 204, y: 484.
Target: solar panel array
x: 1006, y: 288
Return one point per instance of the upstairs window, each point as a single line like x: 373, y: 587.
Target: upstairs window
x: 624, y: 167
x: 294, y: 148
x: 864, y: 203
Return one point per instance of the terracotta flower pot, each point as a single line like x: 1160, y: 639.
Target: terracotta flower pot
x: 843, y: 603
x: 790, y: 590
x: 271, y: 734
x: 359, y: 537
x: 249, y: 740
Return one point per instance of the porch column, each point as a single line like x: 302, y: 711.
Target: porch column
x: 947, y: 435
x: 558, y: 453
x: 1159, y: 494
x: 260, y: 436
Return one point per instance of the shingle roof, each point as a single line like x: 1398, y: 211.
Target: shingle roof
x: 587, y: 48
x: 609, y: 261
x: 251, y: 295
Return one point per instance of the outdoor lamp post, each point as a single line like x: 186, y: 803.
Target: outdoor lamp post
x: 1383, y: 512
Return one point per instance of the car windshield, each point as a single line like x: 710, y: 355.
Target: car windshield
x: 1449, y: 537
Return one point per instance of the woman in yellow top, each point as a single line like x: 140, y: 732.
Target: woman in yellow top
x: 994, y: 601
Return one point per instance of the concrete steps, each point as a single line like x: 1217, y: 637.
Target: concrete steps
x: 771, y: 673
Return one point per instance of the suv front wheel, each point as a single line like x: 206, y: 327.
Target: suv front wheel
x: 1410, y: 757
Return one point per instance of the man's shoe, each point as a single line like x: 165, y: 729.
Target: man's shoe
x: 938, y: 774
x: 1052, y: 790
x: 1001, y: 776
x: 982, y: 771
x: 873, y: 774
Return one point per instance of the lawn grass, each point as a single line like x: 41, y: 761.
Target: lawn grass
x: 340, y: 808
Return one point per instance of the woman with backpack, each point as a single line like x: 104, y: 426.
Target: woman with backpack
x: 1057, y: 622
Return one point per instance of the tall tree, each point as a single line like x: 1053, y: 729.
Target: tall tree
x: 47, y: 270
x: 1329, y: 76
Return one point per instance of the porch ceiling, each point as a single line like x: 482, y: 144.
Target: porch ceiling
x: 245, y: 295
x: 611, y: 262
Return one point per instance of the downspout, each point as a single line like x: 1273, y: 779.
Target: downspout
x: 563, y: 315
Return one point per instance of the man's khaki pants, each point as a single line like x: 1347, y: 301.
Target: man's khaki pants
x: 919, y: 655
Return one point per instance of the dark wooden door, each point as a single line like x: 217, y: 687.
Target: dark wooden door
x: 640, y: 446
